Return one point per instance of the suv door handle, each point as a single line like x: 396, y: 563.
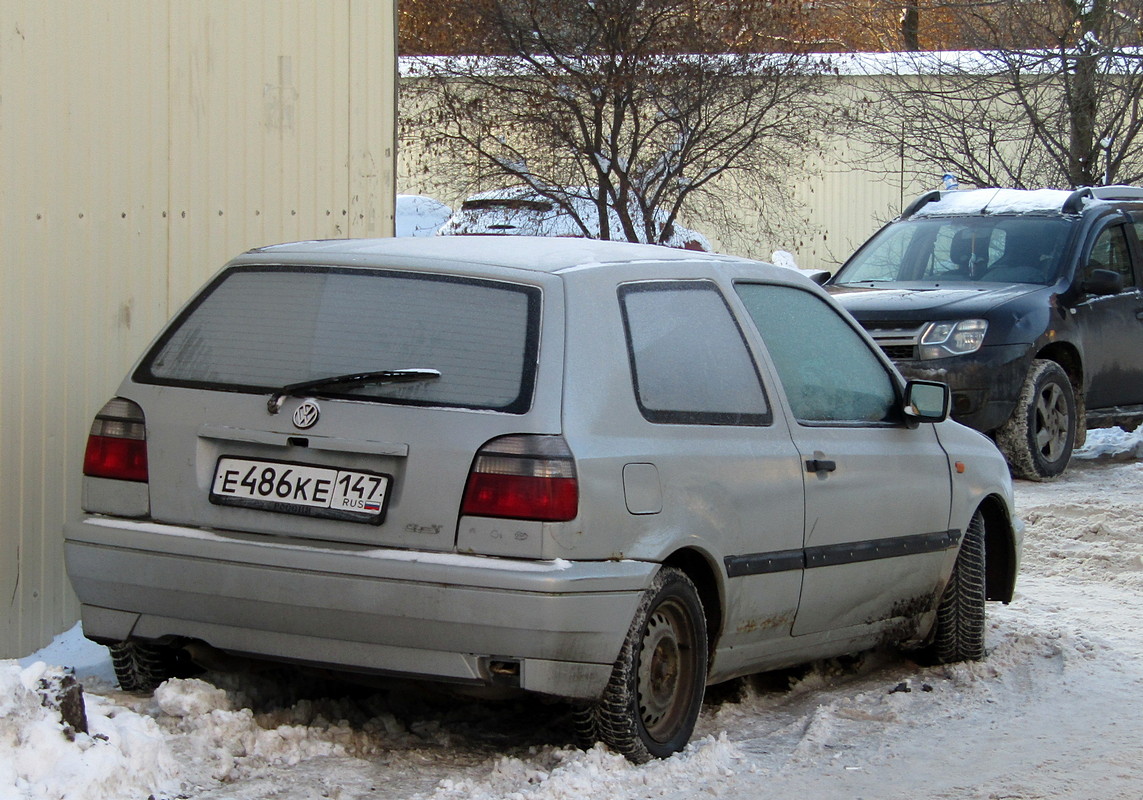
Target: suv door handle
x: 820, y: 465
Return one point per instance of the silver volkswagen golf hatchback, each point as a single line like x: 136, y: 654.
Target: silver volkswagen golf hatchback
x: 603, y: 472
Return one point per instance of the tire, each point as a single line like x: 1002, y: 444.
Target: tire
x: 584, y: 729
x: 1038, y: 438
x: 959, y: 632
x: 654, y: 696
x: 142, y: 666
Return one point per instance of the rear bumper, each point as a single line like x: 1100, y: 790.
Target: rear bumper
x: 432, y: 615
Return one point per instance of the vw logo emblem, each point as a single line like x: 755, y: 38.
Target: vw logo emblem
x: 306, y: 415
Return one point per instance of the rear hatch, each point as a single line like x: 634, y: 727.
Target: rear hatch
x: 340, y: 404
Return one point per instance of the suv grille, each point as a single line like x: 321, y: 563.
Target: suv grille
x: 899, y: 341
x: 899, y: 352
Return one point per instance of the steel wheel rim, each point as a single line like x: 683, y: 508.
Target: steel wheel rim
x: 666, y: 670
x: 1051, y: 422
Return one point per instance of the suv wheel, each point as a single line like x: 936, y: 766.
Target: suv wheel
x: 1038, y: 438
x: 655, y: 693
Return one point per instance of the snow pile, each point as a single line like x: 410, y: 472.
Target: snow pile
x: 571, y: 774
x: 214, y: 738
x: 1112, y: 443
x: 123, y: 754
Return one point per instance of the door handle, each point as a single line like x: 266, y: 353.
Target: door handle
x: 820, y: 465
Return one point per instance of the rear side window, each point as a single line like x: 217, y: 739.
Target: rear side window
x: 259, y: 329
x: 828, y: 371
x: 689, y: 360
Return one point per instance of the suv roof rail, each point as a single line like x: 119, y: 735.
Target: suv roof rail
x: 1074, y: 203
x: 925, y: 199
x: 1117, y: 192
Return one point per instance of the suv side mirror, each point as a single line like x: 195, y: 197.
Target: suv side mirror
x: 1102, y: 281
x: 927, y: 401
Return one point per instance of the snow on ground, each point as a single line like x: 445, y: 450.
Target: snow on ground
x: 1049, y: 713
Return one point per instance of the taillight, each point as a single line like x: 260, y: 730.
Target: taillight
x: 523, y: 477
x: 117, y: 445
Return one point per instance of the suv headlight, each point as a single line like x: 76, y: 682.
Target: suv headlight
x: 944, y: 339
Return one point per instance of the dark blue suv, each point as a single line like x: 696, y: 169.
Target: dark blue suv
x: 1026, y: 302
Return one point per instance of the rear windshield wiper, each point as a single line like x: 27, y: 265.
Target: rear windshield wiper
x: 351, y: 379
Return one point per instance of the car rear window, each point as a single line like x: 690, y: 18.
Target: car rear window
x: 500, y: 205
x: 258, y: 329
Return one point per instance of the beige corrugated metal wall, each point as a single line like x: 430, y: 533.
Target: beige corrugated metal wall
x: 820, y: 215
x: 142, y: 143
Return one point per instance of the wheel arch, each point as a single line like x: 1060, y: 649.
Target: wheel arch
x: 699, y: 567
x: 1001, y: 559
x: 1067, y: 355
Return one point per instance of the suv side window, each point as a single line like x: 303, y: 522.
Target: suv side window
x: 689, y: 360
x: 829, y: 372
x: 1111, y: 251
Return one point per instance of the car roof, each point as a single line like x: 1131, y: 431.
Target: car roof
x: 540, y: 254
x: 993, y: 202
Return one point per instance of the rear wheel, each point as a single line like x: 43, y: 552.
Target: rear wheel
x: 655, y: 693
x: 142, y: 666
x: 959, y: 634
x: 1038, y: 438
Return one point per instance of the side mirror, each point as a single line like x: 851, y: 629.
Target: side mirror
x: 1102, y: 282
x: 927, y: 401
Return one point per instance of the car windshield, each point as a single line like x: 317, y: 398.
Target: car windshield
x: 1016, y: 249
x: 470, y: 343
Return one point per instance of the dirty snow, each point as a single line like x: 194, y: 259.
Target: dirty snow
x: 1049, y: 714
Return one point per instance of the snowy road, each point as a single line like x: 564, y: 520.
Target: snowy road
x: 1049, y: 714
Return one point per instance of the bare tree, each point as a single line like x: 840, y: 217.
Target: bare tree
x: 911, y: 25
x: 1050, y: 97
x: 640, y: 106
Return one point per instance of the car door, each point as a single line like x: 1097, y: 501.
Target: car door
x: 877, y: 491
x: 725, y: 471
x: 1111, y: 325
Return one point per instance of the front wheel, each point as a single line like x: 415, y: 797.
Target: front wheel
x: 655, y: 693
x: 1038, y: 438
x: 959, y: 633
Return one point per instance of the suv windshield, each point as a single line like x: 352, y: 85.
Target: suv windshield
x: 959, y: 249
x: 261, y: 329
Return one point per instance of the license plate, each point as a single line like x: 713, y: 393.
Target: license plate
x: 352, y: 495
